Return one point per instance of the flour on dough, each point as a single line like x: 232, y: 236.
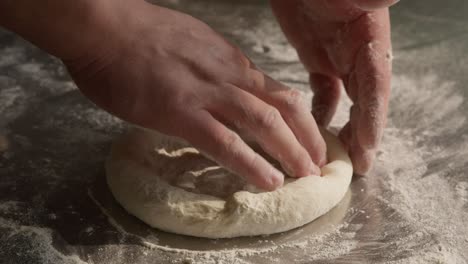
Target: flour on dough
x: 169, y: 185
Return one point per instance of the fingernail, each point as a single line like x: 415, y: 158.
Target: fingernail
x: 288, y: 171
x: 362, y: 160
x: 323, y: 161
x: 277, y: 178
x: 315, y: 170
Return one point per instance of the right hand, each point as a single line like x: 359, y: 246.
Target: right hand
x: 167, y: 71
x: 345, y: 43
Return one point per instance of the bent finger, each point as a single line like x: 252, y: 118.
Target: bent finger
x: 225, y: 147
x: 369, y: 89
x: 265, y: 124
x: 293, y: 109
x: 292, y: 106
x: 327, y: 91
x: 362, y: 158
x: 373, y: 75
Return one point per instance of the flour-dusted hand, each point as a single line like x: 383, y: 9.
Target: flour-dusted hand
x: 345, y: 42
x: 167, y: 71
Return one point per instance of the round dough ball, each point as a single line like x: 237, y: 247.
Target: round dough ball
x: 171, y: 186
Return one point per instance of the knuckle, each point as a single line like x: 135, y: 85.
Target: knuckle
x: 293, y: 101
x: 255, y: 80
x: 230, y: 140
x: 230, y: 143
x: 181, y: 103
x: 238, y: 56
x: 253, y: 161
x: 268, y: 118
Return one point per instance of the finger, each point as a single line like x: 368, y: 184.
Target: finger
x: 293, y: 109
x: 265, y: 124
x: 229, y: 150
x: 345, y: 136
x: 373, y: 74
x: 362, y: 158
x: 292, y: 106
x: 369, y: 88
x: 327, y: 91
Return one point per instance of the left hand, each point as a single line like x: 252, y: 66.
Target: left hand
x: 344, y: 42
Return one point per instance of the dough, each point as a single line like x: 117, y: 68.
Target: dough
x: 171, y: 186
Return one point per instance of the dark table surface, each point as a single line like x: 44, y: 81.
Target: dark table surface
x: 412, y: 208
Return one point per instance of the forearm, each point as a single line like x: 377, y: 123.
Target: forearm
x: 66, y: 29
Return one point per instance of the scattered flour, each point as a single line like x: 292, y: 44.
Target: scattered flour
x: 462, y: 191
x: 320, y: 247
x: 36, y: 245
x: 11, y: 56
x: 9, y: 98
x: 416, y: 208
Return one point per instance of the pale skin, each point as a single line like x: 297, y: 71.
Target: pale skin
x: 170, y: 72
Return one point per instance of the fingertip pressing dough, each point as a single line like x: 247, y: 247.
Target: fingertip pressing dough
x: 170, y: 186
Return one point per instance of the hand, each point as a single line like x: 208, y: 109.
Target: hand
x: 170, y: 72
x: 342, y: 42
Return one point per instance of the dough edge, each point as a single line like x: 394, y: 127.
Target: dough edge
x: 175, y: 210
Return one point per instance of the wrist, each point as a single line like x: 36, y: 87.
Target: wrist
x: 109, y: 30
x: 92, y: 33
